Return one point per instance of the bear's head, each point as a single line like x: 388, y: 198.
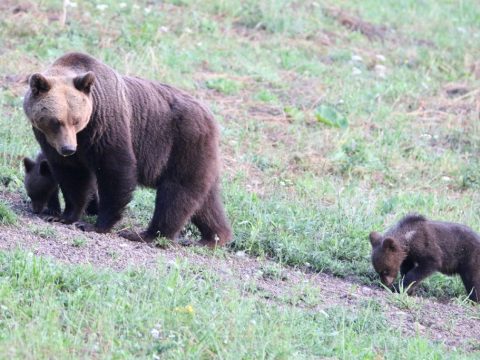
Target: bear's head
x: 39, y: 183
x: 60, y: 107
x: 387, y: 257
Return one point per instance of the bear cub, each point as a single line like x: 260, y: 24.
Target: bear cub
x: 417, y: 247
x: 43, y: 189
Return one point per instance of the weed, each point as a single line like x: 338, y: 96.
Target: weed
x: 79, y: 241
x: 44, y: 231
x: 266, y: 96
x: 7, y: 216
x: 273, y: 271
x: 401, y: 298
x: 224, y: 86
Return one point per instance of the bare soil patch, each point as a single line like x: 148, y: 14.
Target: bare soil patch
x: 451, y: 324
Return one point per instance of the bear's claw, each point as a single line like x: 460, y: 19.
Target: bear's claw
x: 84, y: 226
x: 52, y: 218
x: 135, y: 236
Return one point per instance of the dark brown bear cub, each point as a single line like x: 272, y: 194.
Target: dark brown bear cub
x: 418, y: 247
x: 42, y: 188
x: 99, y: 128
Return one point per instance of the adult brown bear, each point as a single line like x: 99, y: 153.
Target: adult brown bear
x: 96, y: 126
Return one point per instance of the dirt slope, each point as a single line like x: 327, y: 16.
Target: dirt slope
x: 452, y: 324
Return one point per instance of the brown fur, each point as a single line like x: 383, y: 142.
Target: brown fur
x: 42, y: 188
x: 418, y: 247
x: 128, y: 130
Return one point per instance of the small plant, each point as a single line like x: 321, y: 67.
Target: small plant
x: 162, y: 242
x: 45, y: 232
x: 266, y: 96
x: 9, y: 177
x: 79, y: 241
x: 470, y: 177
x: 224, y: 86
x: 330, y: 116
x: 273, y: 271
x: 400, y: 298
x: 7, y: 216
x: 294, y: 113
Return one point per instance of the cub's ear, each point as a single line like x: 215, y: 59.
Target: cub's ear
x: 375, y: 238
x: 84, y: 82
x: 45, y: 168
x: 38, y: 83
x: 390, y: 244
x: 28, y: 164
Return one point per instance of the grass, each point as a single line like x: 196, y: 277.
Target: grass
x: 7, y: 216
x: 176, y: 313
x: 79, y: 241
x: 295, y: 189
x: 45, y: 232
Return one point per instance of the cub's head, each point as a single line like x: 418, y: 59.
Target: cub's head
x: 60, y: 107
x: 387, y: 256
x: 39, y: 183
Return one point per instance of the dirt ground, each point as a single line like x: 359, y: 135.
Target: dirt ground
x: 453, y: 324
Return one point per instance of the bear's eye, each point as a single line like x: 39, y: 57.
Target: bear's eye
x: 75, y: 122
x: 54, y: 124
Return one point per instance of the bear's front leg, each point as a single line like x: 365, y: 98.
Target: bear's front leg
x: 53, y: 205
x: 76, y: 184
x: 417, y: 274
x: 116, y: 179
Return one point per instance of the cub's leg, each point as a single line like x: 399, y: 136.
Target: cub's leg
x: 415, y: 276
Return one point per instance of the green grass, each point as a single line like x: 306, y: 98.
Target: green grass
x: 224, y: 86
x: 175, y: 312
x: 45, y: 232
x: 295, y: 189
x: 7, y: 216
x: 79, y: 241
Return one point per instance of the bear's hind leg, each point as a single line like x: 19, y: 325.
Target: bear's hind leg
x: 470, y: 275
x: 174, y: 206
x: 211, y: 220
x: 92, y: 208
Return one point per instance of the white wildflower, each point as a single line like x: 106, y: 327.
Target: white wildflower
x: 357, y: 58
x: 356, y: 71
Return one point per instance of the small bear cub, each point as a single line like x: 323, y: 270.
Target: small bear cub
x: 418, y: 247
x: 41, y: 187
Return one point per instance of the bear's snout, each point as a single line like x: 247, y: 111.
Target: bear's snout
x: 68, y: 150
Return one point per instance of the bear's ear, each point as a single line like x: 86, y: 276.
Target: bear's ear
x: 390, y: 244
x: 84, y: 82
x: 44, y: 168
x: 38, y: 83
x: 28, y: 164
x: 375, y: 238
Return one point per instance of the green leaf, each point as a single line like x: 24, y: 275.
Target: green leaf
x: 330, y: 116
